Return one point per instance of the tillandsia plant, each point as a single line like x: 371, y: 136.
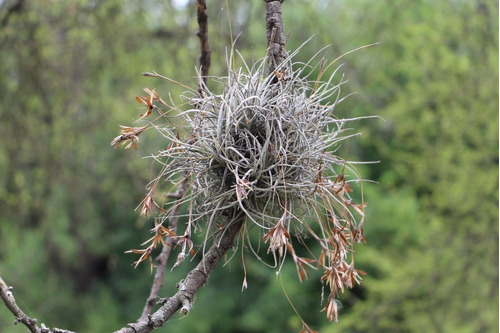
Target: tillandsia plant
x: 263, y: 150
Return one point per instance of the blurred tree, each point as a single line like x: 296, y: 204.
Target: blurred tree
x: 68, y: 78
x: 435, y: 80
x: 70, y: 71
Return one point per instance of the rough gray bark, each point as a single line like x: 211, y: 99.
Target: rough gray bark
x: 275, y: 33
x: 162, y: 258
x: 7, y: 296
x: 188, y: 287
x: 206, y: 52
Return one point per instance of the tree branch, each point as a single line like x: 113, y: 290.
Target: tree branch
x: 275, y: 33
x: 206, y: 52
x: 20, y: 317
x: 188, y: 287
x: 196, y: 278
x: 162, y: 258
x: 205, y: 60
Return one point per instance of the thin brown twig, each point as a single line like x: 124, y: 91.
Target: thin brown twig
x: 162, y: 258
x: 275, y: 33
x: 206, y: 52
x: 20, y: 317
x: 196, y: 278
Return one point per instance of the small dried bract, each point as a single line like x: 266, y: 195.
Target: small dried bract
x: 130, y: 135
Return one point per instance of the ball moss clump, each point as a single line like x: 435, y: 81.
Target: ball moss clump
x: 263, y: 149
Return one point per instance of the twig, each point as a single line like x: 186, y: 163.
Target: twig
x: 162, y: 258
x: 206, y: 52
x: 275, y: 33
x: 188, y: 287
x: 20, y: 317
x: 205, y: 59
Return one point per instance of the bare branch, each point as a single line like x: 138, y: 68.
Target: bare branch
x: 20, y: 317
x: 275, y: 33
x: 206, y: 52
x: 162, y: 258
x: 188, y: 287
x: 205, y: 59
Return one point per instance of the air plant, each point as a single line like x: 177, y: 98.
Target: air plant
x: 264, y: 149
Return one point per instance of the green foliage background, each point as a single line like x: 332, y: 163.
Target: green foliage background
x: 70, y: 70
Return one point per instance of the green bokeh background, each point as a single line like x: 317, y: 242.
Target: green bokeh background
x: 69, y: 74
